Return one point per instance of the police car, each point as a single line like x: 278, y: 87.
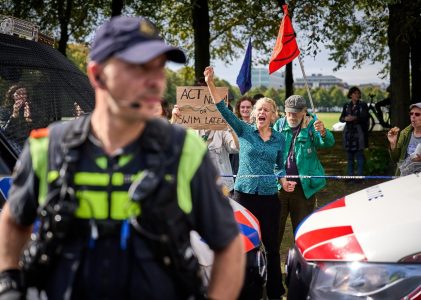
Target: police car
x: 54, y: 88
x: 365, y: 245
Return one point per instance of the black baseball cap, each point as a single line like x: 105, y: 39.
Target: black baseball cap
x: 132, y: 39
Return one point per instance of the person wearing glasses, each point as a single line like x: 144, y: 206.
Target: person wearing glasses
x: 405, y: 146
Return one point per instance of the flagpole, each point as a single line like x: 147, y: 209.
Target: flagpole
x: 313, y: 110
x: 306, y: 84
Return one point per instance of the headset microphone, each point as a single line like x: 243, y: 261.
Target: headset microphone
x: 135, y: 105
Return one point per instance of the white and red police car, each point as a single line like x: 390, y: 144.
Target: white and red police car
x: 256, y: 265
x: 366, y: 245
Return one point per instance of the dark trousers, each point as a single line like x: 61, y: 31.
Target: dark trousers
x: 297, y: 206
x: 267, y: 210
x: 359, y: 155
x: 109, y: 272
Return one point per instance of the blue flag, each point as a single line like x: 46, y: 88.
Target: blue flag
x: 244, y: 77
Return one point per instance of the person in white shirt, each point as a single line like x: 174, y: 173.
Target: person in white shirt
x: 221, y: 143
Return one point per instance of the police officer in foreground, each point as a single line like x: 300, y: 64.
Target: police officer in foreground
x: 114, y: 194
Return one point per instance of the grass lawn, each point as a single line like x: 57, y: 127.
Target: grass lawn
x: 329, y: 118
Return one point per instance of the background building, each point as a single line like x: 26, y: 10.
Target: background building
x: 319, y: 80
x: 260, y: 77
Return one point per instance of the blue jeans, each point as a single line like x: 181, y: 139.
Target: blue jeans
x: 359, y: 155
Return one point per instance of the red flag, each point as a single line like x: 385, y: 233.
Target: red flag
x: 286, y: 48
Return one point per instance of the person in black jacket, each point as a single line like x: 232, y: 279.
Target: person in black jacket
x: 355, y: 136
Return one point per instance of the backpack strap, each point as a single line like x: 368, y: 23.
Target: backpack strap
x: 311, y: 135
x: 64, y: 152
x: 159, y: 199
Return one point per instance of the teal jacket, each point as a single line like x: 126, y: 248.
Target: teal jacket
x: 306, y: 145
x: 399, y: 153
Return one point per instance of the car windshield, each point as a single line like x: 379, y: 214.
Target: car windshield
x: 38, y: 85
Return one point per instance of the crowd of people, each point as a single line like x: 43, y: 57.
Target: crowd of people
x: 271, y: 149
x: 404, y: 146
x: 256, y: 124
x: 117, y: 192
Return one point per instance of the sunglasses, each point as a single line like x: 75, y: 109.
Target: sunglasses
x: 417, y: 114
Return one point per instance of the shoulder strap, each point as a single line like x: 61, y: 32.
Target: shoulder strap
x: 47, y: 144
x: 311, y: 135
x: 64, y: 153
x: 65, y: 139
x: 71, y: 133
x: 162, y: 142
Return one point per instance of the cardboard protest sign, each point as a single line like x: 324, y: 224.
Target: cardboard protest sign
x: 197, y: 110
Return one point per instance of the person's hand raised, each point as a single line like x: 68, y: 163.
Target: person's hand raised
x: 27, y: 112
x: 320, y: 127
x: 392, y: 136
x: 176, y: 111
x: 208, y: 73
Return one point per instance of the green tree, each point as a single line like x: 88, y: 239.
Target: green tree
x: 275, y: 95
x: 182, y: 77
x: 65, y: 20
x: 230, y: 24
x: 78, y: 54
x: 374, y: 31
x: 337, y: 97
x: 321, y: 97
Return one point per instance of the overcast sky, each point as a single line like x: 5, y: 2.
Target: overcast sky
x: 318, y: 65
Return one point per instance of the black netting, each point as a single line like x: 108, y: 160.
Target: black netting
x: 38, y: 85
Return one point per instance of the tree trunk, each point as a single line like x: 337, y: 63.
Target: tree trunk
x: 399, y: 66
x: 289, y: 77
x: 416, y: 69
x: 416, y: 53
x: 18, y: 10
x: 200, y: 17
x: 289, y: 81
x: 116, y: 7
x: 64, y: 14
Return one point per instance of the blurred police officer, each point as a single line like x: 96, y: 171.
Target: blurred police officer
x: 102, y: 242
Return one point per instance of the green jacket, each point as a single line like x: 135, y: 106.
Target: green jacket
x: 398, y: 154
x: 306, y: 145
